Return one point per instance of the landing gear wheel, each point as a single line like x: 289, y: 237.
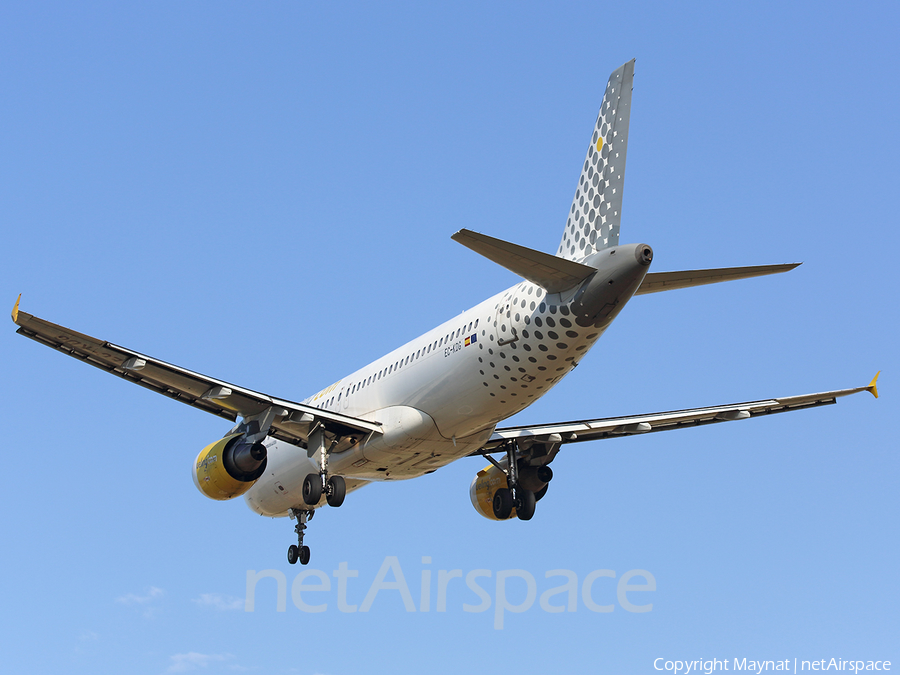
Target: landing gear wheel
x: 337, y: 490
x: 294, y: 553
x: 503, y: 503
x: 312, y: 489
x: 525, y: 504
x: 304, y: 555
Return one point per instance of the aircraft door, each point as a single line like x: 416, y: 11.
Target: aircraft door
x: 504, y: 332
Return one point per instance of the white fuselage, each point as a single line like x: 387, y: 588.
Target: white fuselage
x: 439, y: 396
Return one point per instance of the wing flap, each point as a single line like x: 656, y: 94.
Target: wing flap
x: 292, y: 420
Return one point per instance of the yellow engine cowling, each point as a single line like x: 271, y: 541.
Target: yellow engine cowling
x: 482, y: 490
x: 229, y: 467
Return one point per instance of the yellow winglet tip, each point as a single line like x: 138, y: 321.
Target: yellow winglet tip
x: 872, y: 388
x: 15, y: 312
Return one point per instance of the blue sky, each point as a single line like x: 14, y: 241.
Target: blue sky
x: 265, y: 193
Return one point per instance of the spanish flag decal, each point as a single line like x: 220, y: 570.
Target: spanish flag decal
x: 471, y: 339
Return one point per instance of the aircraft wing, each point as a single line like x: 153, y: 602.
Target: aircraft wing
x: 611, y: 427
x: 291, y: 420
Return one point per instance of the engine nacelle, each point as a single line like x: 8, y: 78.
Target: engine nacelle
x: 228, y: 467
x: 481, y: 491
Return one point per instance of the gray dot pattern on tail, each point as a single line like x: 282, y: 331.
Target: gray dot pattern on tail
x: 593, y: 220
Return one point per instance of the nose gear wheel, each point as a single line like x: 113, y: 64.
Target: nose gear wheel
x: 298, y: 551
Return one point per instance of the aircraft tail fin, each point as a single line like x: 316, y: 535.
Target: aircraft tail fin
x: 593, y: 222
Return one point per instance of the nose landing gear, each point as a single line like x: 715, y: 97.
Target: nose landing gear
x: 298, y: 551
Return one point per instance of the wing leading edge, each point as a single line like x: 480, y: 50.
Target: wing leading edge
x: 291, y: 420
x: 610, y: 427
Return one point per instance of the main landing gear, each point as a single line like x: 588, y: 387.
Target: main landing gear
x: 314, y: 486
x: 513, y: 496
x: 335, y: 489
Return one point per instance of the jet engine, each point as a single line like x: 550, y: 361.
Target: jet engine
x: 228, y: 467
x: 490, y: 479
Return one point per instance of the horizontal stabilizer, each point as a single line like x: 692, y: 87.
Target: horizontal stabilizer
x: 655, y: 282
x: 550, y: 272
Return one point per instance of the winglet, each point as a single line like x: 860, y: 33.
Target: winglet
x: 15, y: 312
x: 872, y: 388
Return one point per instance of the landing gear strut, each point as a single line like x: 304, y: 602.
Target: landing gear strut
x: 514, y: 496
x: 298, y: 551
x: 315, y: 484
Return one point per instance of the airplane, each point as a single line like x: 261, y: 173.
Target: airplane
x: 441, y: 396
